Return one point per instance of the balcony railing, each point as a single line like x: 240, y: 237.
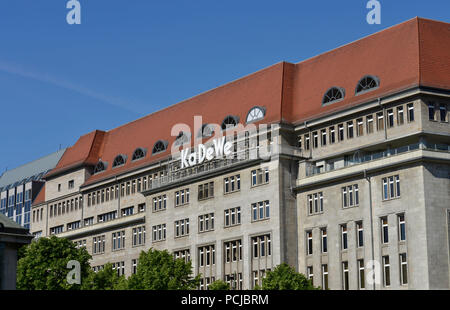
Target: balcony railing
x: 359, y: 159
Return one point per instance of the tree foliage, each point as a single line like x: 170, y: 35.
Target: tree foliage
x: 219, y: 285
x: 158, y: 270
x: 105, y: 279
x: 43, y: 265
x: 284, y: 277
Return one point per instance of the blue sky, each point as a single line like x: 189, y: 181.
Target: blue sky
x: 130, y: 58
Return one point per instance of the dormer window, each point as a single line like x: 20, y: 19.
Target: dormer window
x: 332, y: 95
x: 229, y: 122
x: 160, y: 146
x: 207, y: 130
x: 367, y: 83
x: 255, y: 114
x: 138, y: 154
x: 182, y: 138
x: 101, y: 166
x: 119, y: 161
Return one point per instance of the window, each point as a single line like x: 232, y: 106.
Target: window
x: 332, y: 135
x: 182, y: 138
x: 410, y: 107
x: 260, y: 176
x: 350, y: 196
x: 119, y: 161
x: 261, y: 246
x: 359, y: 127
x: 384, y: 230
x: 120, y: 267
x: 105, y: 217
x: 325, y: 277
x: 71, y: 184
x: 310, y: 274
x: 307, y: 142
x: 89, y: 221
x: 181, y: 228
x: 207, y: 130
x: 206, y: 255
x: 128, y: 211
x: 118, y: 240
x: 345, y: 279
x: 324, y: 244
x: 309, y: 243
x: 183, y: 254
x: 73, y: 225
x: 233, y: 251
x: 98, y: 245
x: 391, y: 187
x: 359, y: 234
x: 138, y: 236
x: 315, y: 140
x: 160, y: 146
x: 431, y: 112
x: 181, y: 197
x: 260, y: 211
x: 138, y: 154
x: 230, y: 122
x: 401, y: 227
x: 380, y: 121
x: 344, y: 240
x: 59, y: 187
x: 367, y: 83
x: 341, y: 132
x: 159, y: 232
x: 400, y: 116
x: 386, y: 271
x: 206, y: 191
x: 134, y: 266
x: 232, y: 216
x: 232, y: 184
x: 255, y: 114
x: 332, y: 95
x: 403, y: 269
x: 443, y: 112
x: 361, y: 278
x: 390, y: 118
x: 159, y: 203
x: 369, y: 124
x: 323, y: 136
x: 349, y: 130
x: 315, y: 203
x: 101, y: 166
x: 56, y: 230
x: 206, y: 222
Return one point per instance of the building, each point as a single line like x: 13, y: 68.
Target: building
x: 332, y: 163
x: 20, y: 186
x: 12, y: 237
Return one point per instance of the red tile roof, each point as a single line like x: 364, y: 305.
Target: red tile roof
x: 40, y: 198
x: 410, y: 54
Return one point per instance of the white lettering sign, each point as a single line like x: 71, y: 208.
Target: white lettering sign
x: 219, y: 149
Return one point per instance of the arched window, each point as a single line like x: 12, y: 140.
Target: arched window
x: 229, y: 122
x: 255, y: 114
x: 101, y: 166
x: 332, y: 95
x: 368, y: 82
x: 207, y: 130
x: 119, y: 161
x: 138, y: 154
x: 160, y: 146
x: 182, y: 138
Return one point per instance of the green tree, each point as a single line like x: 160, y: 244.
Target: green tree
x: 43, y: 265
x: 158, y: 270
x: 105, y: 279
x: 219, y: 285
x: 284, y: 277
